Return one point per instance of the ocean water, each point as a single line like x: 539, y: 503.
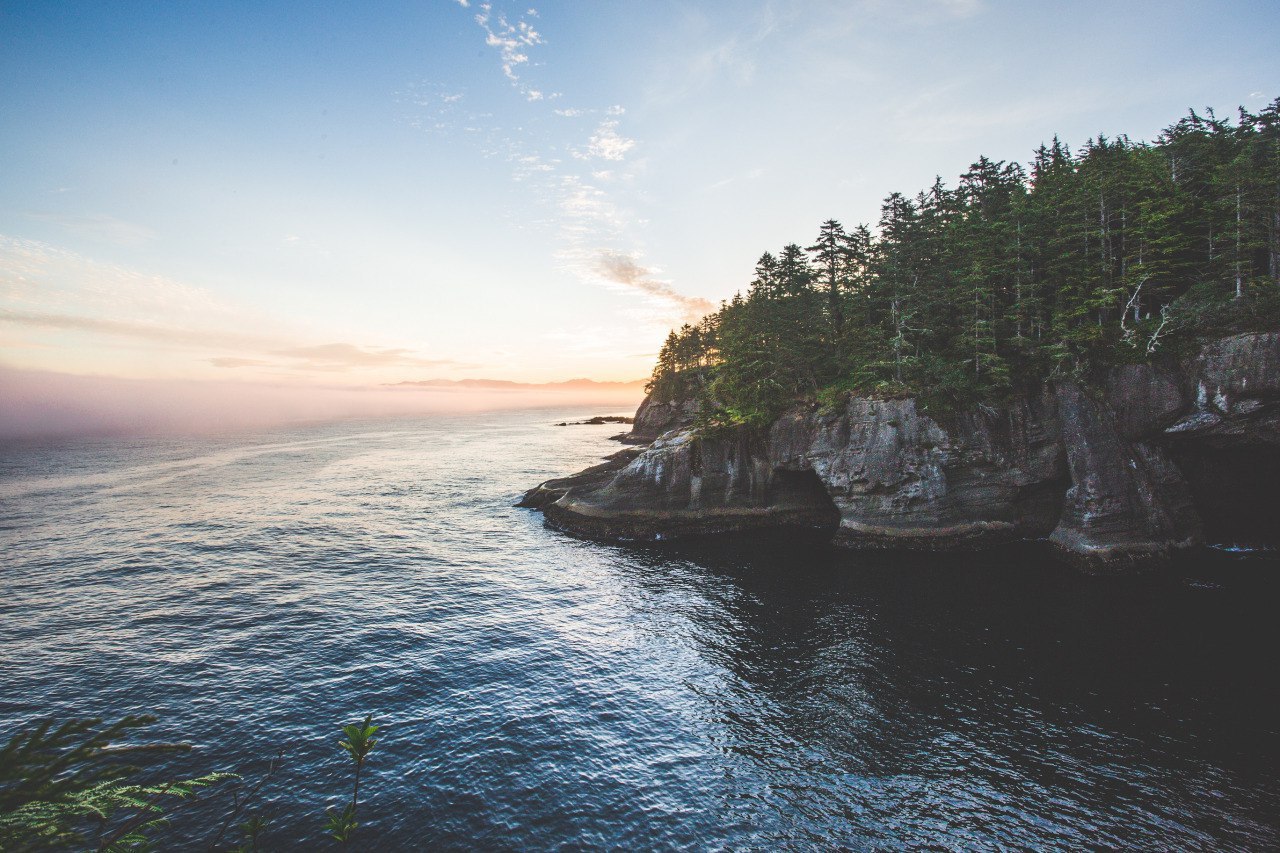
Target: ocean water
x: 542, y: 692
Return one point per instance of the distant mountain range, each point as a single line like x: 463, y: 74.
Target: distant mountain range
x: 508, y: 385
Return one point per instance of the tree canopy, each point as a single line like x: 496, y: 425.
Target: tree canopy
x: 1116, y: 252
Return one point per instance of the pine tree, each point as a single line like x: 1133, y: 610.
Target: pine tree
x: 831, y: 254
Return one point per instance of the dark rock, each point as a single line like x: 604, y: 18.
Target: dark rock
x: 1235, y: 368
x: 1145, y: 398
x: 685, y: 485
x: 902, y: 480
x: 599, y: 420
x: 1117, y: 477
x: 654, y: 418
x: 1196, y: 422
x: 1127, y: 505
x: 552, y: 490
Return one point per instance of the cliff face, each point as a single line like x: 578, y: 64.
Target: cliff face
x: 1115, y: 477
x: 653, y: 418
x: 901, y: 479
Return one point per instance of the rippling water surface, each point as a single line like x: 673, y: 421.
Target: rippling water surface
x: 539, y: 691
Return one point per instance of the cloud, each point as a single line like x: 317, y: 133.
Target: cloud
x: 585, y: 215
x: 588, y: 211
x: 341, y: 356
x: 606, y: 144
x: 67, y: 302
x: 935, y: 114
x: 508, y: 385
x: 512, y: 41
x: 622, y: 269
x: 322, y: 357
x: 238, y: 362
x: 98, y: 226
x: 751, y: 175
x: 38, y: 278
x: 958, y: 8
x: 139, y: 331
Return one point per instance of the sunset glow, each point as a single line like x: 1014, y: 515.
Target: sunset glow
x: 461, y: 190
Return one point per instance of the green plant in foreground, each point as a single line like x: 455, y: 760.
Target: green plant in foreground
x: 341, y: 824
x: 69, y: 786
x: 64, y: 785
x: 251, y: 829
x: 359, y: 743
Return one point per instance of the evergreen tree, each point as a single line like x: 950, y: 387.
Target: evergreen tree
x: 831, y: 253
x: 1013, y: 277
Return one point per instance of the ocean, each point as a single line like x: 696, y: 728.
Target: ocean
x: 258, y: 590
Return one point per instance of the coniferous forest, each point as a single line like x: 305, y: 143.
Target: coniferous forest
x: 1121, y: 251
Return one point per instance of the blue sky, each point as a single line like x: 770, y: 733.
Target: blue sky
x: 379, y: 192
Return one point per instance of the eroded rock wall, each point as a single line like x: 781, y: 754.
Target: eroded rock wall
x: 902, y: 480
x: 1127, y: 503
x: 1099, y: 471
x: 653, y: 418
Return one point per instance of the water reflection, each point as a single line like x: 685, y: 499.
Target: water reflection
x: 982, y: 697
x: 540, y: 691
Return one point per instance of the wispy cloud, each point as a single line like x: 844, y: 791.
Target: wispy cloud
x: 89, y: 305
x: 38, y: 278
x: 931, y: 11
x: 733, y: 179
x: 150, y: 333
x: 583, y: 182
x: 935, y: 114
x: 232, y: 362
x: 341, y: 356
x: 606, y: 143
x: 98, y: 226
x: 512, y: 41
x: 624, y: 270
x: 508, y: 385
x: 322, y: 357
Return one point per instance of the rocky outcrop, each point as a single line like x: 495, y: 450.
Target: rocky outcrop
x: 550, y: 491
x: 685, y: 485
x: 900, y: 479
x: 1127, y: 504
x: 1117, y: 475
x: 653, y: 418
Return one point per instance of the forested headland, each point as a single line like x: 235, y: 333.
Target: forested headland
x: 1120, y: 251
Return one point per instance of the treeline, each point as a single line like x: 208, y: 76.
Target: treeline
x: 960, y: 295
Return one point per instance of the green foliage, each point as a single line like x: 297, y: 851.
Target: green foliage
x: 251, y: 829
x: 69, y: 786
x: 359, y: 740
x: 63, y: 785
x: 359, y: 743
x: 135, y: 810
x: 1113, y: 254
x: 341, y: 824
x: 43, y: 762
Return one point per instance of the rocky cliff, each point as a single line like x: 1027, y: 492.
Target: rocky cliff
x: 1116, y: 475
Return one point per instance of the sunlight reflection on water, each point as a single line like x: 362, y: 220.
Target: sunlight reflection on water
x: 539, y: 690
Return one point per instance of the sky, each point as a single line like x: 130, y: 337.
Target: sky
x: 356, y: 195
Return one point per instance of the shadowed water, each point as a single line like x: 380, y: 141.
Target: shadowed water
x: 539, y: 691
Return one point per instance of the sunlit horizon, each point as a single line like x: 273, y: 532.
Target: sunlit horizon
x: 338, y: 201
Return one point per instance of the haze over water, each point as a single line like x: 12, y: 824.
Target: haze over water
x: 257, y: 590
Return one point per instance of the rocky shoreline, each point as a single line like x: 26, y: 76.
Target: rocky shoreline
x: 1117, y: 476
